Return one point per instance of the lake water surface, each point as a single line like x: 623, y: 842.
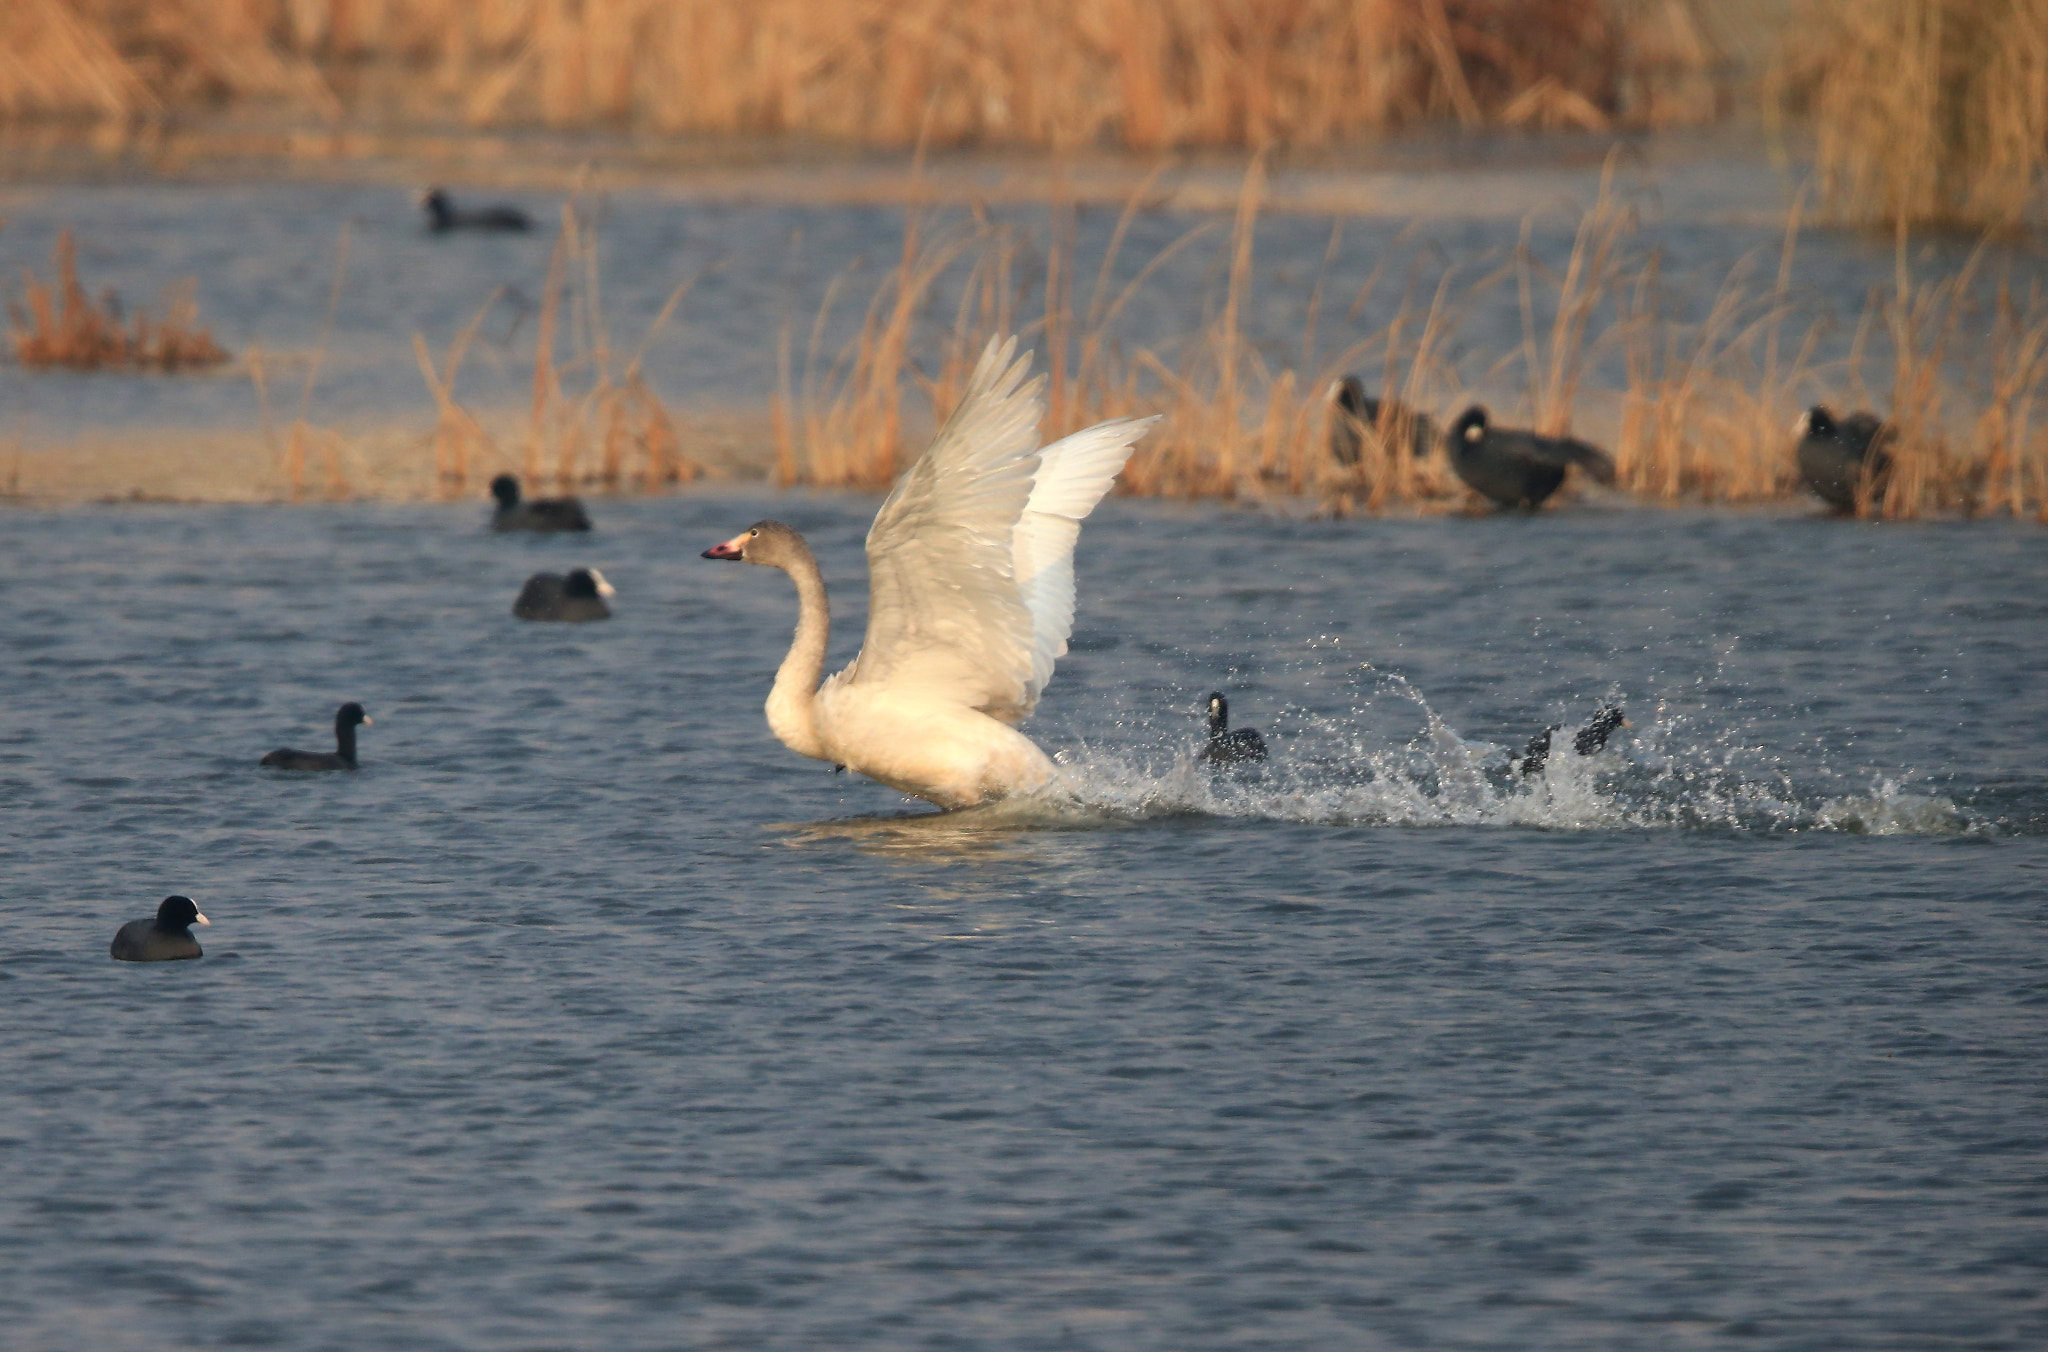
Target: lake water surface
x: 586, y: 1016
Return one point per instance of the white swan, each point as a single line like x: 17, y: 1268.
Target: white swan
x: 971, y: 599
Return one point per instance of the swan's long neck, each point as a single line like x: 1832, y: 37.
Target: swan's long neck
x: 791, y: 713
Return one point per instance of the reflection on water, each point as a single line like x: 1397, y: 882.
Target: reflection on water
x: 584, y: 1013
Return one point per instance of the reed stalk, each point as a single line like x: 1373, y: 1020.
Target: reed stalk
x: 591, y: 398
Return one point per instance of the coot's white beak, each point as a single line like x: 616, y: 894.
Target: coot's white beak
x: 201, y: 920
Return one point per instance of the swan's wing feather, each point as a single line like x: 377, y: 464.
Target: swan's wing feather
x: 944, y: 611
x: 1073, y: 474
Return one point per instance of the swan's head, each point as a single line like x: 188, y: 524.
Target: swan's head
x: 765, y: 542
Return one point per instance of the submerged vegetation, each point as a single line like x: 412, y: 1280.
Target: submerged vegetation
x: 57, y: 324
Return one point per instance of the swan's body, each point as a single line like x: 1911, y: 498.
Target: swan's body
x: 971, y: 576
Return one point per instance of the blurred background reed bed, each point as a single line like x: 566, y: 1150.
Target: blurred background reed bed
x: 1932, y: 112
x: 1144, y: 74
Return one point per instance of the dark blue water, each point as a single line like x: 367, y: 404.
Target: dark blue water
x: 586, y: 1016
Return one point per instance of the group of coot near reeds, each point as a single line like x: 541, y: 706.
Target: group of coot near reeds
x: 1842, y: 461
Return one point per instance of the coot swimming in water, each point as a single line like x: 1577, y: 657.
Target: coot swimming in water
x: 1228, y: 745
x: 575, y: 598
x: 533, y: 513
x: 343, y: 757
x: 164, y: 939
x: 443, y: 215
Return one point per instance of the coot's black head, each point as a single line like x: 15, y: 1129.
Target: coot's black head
x: 350, y: 714
x: 505, y: 488
x: 1818, y: 422
x: 1471, y: 424
x: 179, y: 913
x: 1349, y: 395
x: 587, y: 583
x: 1219, y: 711
x: 436, y: 204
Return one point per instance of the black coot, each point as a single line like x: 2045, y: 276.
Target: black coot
x: 1515, y: 468
x: 574, y: 598
x: 1587, y: 740
x: 443, y: 215
x: 343, y: 757
x: 1352, y: 411
x: 1227, y: 745
x: 534, y: 513
x: 1839, y: 459
x: 164, y: 939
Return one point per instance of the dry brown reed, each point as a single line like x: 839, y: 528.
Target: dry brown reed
x: 1145, y: 74
x: 593, y: 419
x: 58, y: 324
x: 1925, y: 112
x: 1706, y: 407
x: 302, y: 439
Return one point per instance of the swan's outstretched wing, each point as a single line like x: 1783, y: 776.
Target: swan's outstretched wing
x: 944, y: 611
x: 1073, y: 474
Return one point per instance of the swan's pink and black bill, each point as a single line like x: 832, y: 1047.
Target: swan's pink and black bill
x: 729, y: 550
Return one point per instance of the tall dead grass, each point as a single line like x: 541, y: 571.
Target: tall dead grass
x: 593, y: 419
x: 1925, y: 112
x: 1144, y: 74
x: 57, y: 324
x: 1706, y: 403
